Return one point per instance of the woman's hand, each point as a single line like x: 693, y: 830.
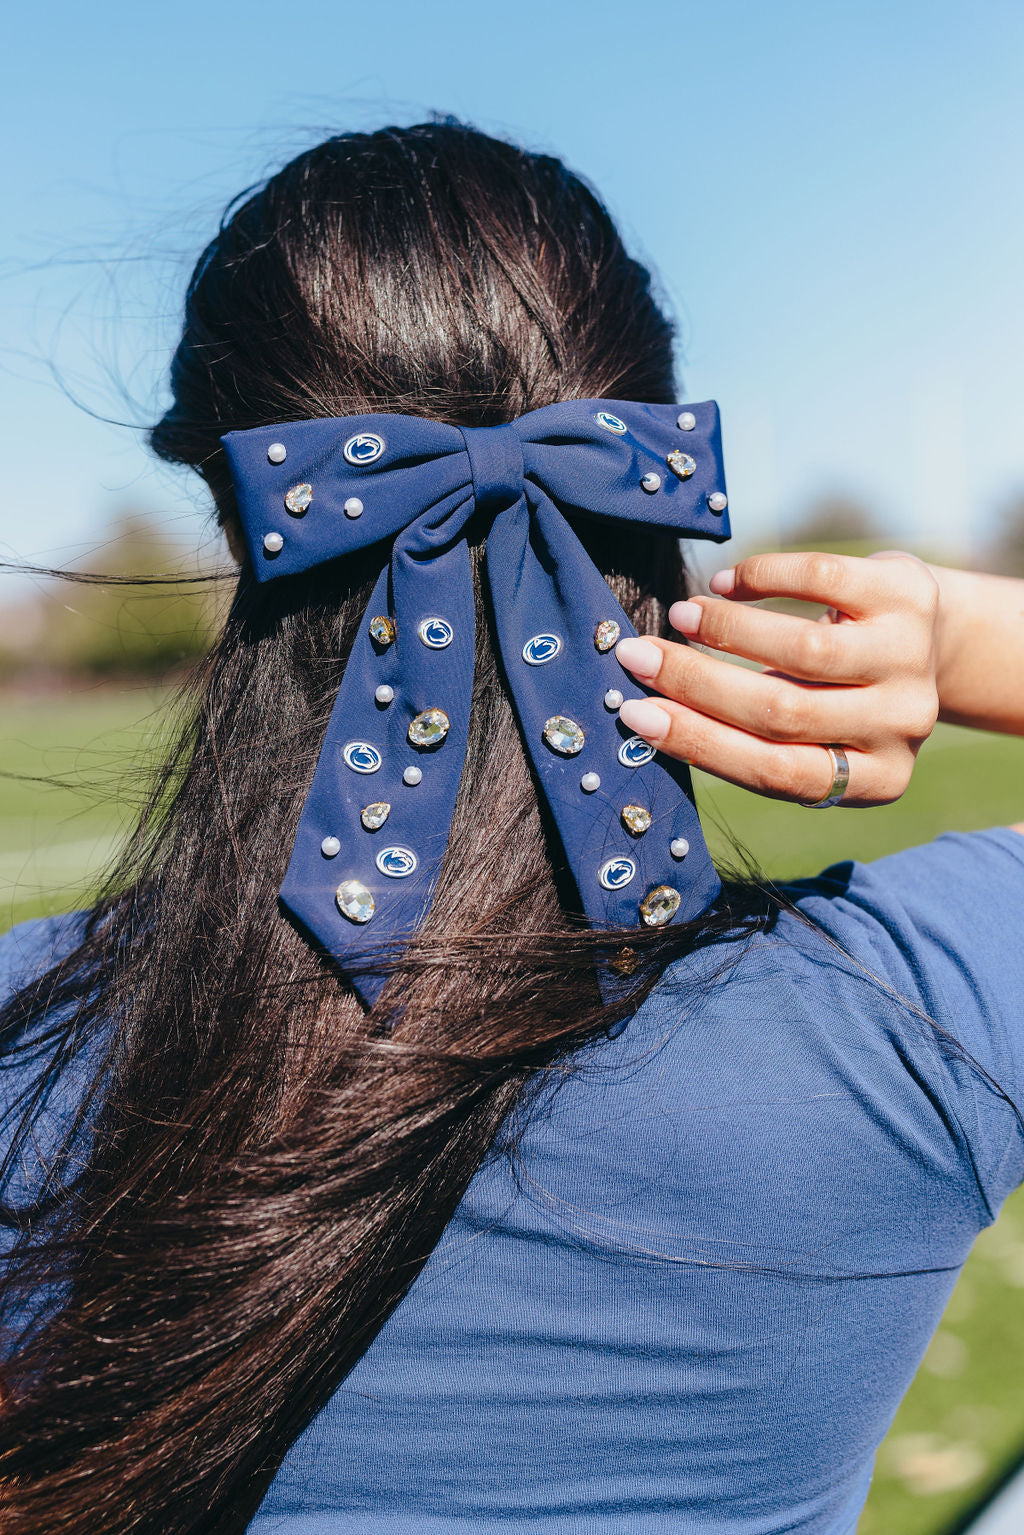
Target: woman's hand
x: 862, y: 677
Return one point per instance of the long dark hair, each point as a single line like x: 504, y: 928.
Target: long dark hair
x: 255, y: 1168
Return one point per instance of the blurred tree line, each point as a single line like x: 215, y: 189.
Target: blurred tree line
x: 845, y: 526
x: 98, y: 629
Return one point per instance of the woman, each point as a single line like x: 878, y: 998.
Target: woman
x: 523, y: 1223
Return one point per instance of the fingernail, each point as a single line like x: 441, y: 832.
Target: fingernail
x: 723, y: 582
x: 685, y: 616
x: 639, y: 656
x: 645, y: 718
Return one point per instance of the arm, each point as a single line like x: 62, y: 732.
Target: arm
x: 980, y: 651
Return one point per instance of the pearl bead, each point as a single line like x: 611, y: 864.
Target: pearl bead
x: 717, y: 501
x: 651, y: 483
x: 277, y: 452
x: 589, y: 782
x: 330, y: 847
x: 353, y: 507
x: 412, y: 776
x: 679, y: 847
x: 273, y: 543
x: 687, y: 421
x: 384, y: 694
x: 613, y: 699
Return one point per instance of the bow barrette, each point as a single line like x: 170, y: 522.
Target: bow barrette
x: 375, y: 825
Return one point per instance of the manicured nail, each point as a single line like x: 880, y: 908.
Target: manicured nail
x: 645, y: 718
x: 685, y: 616
x: 723, y: 582
x: 640, y: 657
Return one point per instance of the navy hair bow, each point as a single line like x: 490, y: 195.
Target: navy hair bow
x: 375, y: 826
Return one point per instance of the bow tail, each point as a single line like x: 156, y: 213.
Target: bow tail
x: 374, y: 829
x: 641, y: 858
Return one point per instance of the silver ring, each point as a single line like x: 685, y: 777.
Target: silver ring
x: 840, y: 778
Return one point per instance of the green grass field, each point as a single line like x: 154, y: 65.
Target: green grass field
x: 963, y: 1421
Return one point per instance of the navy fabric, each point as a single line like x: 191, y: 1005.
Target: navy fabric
x: 423, y: 481
x: 692, y: 1295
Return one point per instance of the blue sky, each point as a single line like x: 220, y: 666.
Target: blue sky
x: 829, y: 191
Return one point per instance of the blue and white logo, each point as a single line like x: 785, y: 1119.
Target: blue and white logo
x: 609, y: 422
x: 364, y: 448
x: 396, y: 862
x: 543, y: 647
x: 362, y: 757
x: 436, y: 633
x: 635, y: 752
x: 616, y: 873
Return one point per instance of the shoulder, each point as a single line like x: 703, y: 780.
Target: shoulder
x: 30, y: 948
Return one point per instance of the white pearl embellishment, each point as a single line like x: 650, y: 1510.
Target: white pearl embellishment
x: 613, y: 699
x: 589, y: 782
x: 679, y: 847
x: 273, y: 543
x: 384, y: 694
x: 651, y: 483
x: 330, y: 847
x: 717, y: 501
x: 412, y: 776
x: 353, y: 507
x: 687, y: 421
x: 277, y: 452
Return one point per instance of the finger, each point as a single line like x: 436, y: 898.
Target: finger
x: 858, y: 587
x: 800, y: 773
x: 775, y: 708
x: 801, y: 647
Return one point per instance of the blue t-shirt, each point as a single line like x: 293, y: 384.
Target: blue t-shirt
x: 694, y: 1295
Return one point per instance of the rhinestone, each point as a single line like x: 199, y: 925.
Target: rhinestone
x: 299, y: 499
x: 718, y: 501
x: 679, y: 847
x: 687, y: 421
x: 396, y: 862
x: 382, y: 629
x: 625, y: 961
x: 330, y: 847
x: 651, y: 483
x: 613, y: 699
x: 616, y: 873
x: 273, y: 543
x: 277, y: 452
x: 589, y: 782
x: 412, y: 776
x: 681, y: 464
x: 606, y: 633
x: 635, y: 752
x: 361, y: 757
x: 355, y: 901
x: 384, y: 694
x: 563, y: 735
x: 429, y: 728
x: 436, y: 633
x: 353, y: 507
x: 541, y: 648
x: 636, y: 819
x: 660, y: 905
x: 373, y: 816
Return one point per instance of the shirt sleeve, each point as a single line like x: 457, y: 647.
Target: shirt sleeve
x: 943, y: 924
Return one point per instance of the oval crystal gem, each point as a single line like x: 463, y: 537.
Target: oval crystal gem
x: 660, y: 905
x: 541, y: 648
x: 299, y: 499
x: 681, y: 463
x: 606, y: 633
x: 361, y: 757
x: 382, y: 629
x: 355, y: 901
x: 636, y: 819
x: 635, y: 752
x: 563, y: 735
x: 373, y: 816
x: 429, y: 727
x: 396, y: 862
x: 616, y: 873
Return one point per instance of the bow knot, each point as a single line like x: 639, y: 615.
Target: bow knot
x: 496, y: 466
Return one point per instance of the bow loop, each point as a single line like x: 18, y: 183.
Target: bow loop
x: 375, y: 826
